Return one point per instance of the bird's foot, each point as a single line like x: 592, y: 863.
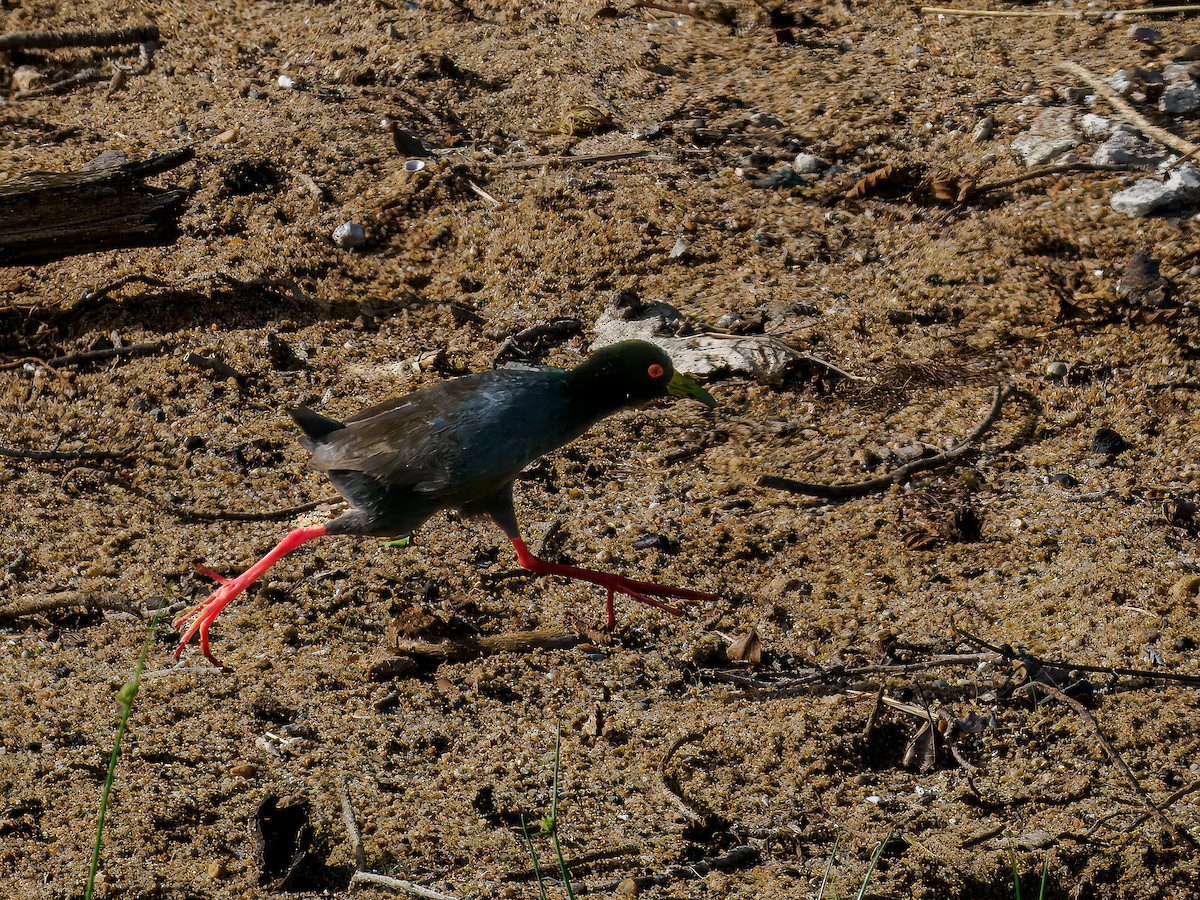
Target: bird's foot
x: 642, y: 591
x: 200, y: 618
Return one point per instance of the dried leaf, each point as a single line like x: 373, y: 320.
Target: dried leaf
x: 1154, y: 316
x: 944, y: 189
x: 871, y: 182
x: 746, y: 648
x: 892, y: 180
x: 281, y: 839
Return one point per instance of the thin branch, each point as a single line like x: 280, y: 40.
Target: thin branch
x: 537, y: 162
x: 896, y: 476
x: 87, y: 76
x: 63, y: 455
x: 85, y: 37
x: 1118, y: 761
x: 470, y: 647
x: 1041, y: 172
x: 1068, y: 666
x: 399, y: 885
x: 88, y: 356
x: 1058, y: 13
x: 191, y: 514
x: 1127, y: 112
x: 670, y: 784
x: 89, y: 600
x: 356, y: 844
x: 1165, y: 805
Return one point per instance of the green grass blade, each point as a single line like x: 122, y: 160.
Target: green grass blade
x: 829, y: 866
x: 125, y: 699
x: 537, y: 868
x: 862, y: 891
x: 562, y: 863
x: 1012, y: 855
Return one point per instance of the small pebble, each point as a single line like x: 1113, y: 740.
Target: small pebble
x: 245, y: 770
x: 217, y: 871
x: 807, y: 164
x: 287, y: 82
x: 1186, y: 588
x: 349, y: 235
x: 783, y: 177
x: 26, y: 78
x: 983, y: 130
x: 1146, y: 34
x: 1109, y: 443
x: 1056, y: 369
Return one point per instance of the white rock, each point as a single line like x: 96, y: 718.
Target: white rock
x: 758, y: 355
x: 807, y: 164
x: 1126, y: 148
x: 1120, y: 82
x: 1051, y: 135
x: 1182, y: 188
x: 349, y: 235
x: 1181, y: 97
x: 1173, y: 72
x: 1096, y: 126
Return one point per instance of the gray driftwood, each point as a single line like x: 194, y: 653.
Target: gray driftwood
x: 50, y: 215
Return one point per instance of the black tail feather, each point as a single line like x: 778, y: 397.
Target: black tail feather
x: 314, y: 425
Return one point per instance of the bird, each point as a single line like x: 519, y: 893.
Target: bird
x: 459, y: 445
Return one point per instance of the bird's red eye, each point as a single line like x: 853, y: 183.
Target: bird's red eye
x: 656, y: 371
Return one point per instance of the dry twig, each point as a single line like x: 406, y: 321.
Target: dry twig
x: 1165, y: 805
x: 89, y: 600
x: 1040, y: 172
x: 1127, y: 112
x: 898, y: 475
x: 1151, y: 809
x: 669, y: 783
x: 1058, y: 13
x: 1008, y: 653
x: 470, y: 647
x: 63, y: 455
x: 537, y: 162
x: 84, y: 37
x: 88, y: 356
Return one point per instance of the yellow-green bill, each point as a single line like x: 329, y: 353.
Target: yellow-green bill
x: 682, y: 385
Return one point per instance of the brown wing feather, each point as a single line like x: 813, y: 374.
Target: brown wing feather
x: 458, y: 440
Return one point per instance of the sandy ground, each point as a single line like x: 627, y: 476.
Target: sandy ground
x: 672, y: 757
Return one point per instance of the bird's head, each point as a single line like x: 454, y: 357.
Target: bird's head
x: 630, y: 373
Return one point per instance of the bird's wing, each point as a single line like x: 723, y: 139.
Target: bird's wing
x: 454, y: 438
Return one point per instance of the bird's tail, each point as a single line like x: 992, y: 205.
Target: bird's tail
x: 314, y: 425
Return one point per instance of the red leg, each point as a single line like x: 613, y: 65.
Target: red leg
x: 641, y: 591
x: 201, y: 617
